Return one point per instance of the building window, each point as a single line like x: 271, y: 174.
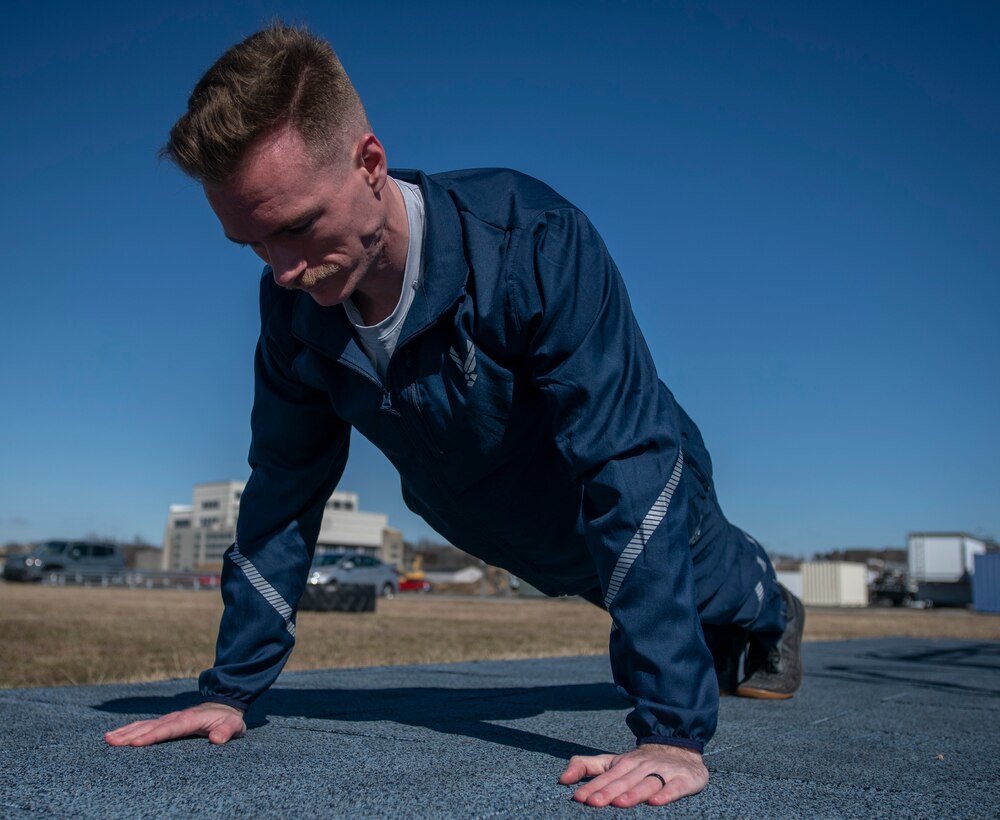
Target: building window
x: 211, y: 504
x: 236, y: 495
x: 182, y: 523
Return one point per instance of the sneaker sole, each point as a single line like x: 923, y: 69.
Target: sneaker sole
x: 763, y: 694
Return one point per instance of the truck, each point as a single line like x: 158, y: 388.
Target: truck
x: 942, y: 565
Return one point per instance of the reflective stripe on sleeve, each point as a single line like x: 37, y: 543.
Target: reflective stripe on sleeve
x: 649, y: 524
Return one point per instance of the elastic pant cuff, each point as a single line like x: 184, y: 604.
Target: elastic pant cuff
x: 663, y: 740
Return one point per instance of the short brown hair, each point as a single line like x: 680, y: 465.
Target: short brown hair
x: 280, y: 76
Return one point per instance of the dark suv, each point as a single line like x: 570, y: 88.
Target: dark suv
x: 82, y: 557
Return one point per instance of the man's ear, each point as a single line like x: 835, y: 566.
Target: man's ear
x: 371, y: 160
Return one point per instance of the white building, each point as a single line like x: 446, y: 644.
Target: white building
x: 198, y: 534
x: 834, y: 583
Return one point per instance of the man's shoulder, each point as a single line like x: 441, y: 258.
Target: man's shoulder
x: 495, y: 180
x: 499, y: 196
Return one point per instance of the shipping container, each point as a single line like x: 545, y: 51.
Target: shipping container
x: 942, y: 557
x: 986, y: 583
x: 791, y: 579
x: 834, y: 583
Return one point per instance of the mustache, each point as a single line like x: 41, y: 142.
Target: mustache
x: 313, y: 276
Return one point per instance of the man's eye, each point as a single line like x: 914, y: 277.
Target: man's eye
x: 298, y: 230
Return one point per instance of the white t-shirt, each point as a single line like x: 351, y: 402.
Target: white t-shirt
x: 379, y: 340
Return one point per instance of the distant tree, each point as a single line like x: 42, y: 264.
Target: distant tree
x: 14, y: 547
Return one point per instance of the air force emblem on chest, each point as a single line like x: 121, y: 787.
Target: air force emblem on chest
x: 467, y: 364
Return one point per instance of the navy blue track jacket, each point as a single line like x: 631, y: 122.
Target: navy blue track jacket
x: 524, y: 414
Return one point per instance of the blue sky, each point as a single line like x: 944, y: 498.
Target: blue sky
x: 804, y: 202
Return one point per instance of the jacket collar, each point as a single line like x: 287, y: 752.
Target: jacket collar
x: 443, y: 275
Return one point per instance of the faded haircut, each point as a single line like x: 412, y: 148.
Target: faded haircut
x: 280, y: 76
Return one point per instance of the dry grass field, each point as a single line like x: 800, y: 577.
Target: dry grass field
x: 73, y: 635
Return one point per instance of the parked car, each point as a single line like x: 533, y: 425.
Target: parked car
x: 82, y: 557
x: 414, y: 585
x: 354, y: 568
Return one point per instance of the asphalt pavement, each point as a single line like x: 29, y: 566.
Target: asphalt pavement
x: 881, y: 728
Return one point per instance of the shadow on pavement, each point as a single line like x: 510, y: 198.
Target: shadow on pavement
x: 973, y: 656
x: 467, y: 712
x: 923, y: 669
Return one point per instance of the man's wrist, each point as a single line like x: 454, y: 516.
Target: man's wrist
x: 226, y: 703
x: 667, y: 740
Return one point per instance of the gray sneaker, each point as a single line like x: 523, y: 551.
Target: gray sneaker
x: 774, y: 669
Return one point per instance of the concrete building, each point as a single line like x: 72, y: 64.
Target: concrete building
x: 198, y: 534
x: 142, y: 557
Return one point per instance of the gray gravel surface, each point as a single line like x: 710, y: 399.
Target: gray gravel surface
x: 881, y: 728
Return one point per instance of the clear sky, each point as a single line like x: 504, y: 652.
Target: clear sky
x: 803, y: 198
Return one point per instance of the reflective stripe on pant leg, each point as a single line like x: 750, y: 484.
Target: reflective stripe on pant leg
x: 259, y: 583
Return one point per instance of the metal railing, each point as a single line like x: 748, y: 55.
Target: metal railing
x: 133, y: 579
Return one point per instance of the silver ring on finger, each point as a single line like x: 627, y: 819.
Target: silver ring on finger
x: 658, y: 777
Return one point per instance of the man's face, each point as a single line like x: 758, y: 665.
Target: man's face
x: 320, y: 227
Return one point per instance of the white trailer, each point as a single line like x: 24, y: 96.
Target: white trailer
x: 942, y: 557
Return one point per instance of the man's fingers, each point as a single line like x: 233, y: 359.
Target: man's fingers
x: 115, y: 736
x: 581, y: 766
x: 606, y: 787
x: 642, y: 791
x: 622, y: 788
x: 128, y: 735
x: 148, y: 732
x: 682, y: 785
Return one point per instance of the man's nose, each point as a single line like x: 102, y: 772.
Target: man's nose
x: 286, y: 266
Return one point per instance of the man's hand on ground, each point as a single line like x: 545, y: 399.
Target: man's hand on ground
x: 216, y: 721
x: 625, y: 780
